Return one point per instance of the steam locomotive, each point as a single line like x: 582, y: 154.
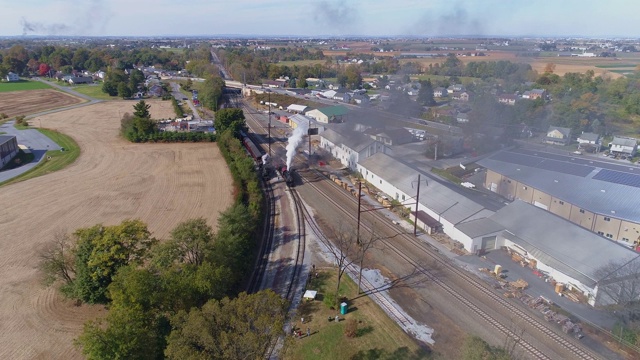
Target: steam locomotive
x: 287, y: 175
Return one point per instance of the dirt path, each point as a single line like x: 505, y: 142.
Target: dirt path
x: 112, y: 180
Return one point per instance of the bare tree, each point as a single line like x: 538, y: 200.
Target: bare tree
x: 345, y: 249
x: 619, y: 282
x: 364, y: 245
x: 57, y: 259
x: 513, y: 339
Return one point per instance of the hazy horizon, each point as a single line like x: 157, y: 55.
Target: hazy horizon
x: 324, y: 18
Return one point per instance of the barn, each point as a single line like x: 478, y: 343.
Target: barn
x: 8, y: 149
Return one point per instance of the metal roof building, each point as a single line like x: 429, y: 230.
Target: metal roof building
x: 599, y: 187
x: 570, y: 254
x: 442, y: 201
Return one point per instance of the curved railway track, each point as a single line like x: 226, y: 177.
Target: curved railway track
x: 470, y: 280
x: 474, y: 283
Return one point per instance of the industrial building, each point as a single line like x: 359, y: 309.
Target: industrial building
x: 558, y: 248
x: 600, y: 196
x: 350, y: 147
x: 331, y: 114
x: 8, y: 149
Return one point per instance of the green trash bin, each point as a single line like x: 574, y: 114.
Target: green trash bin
x: 343, y: 308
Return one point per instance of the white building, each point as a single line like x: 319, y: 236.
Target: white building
x: 297, y: 109
x: 350, y: 148
x: 13, y: 77
x: 399, y: 182
x: 624, y: 145
x: 568, y: 253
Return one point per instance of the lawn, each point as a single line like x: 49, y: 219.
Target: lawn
x: 377, y: 335
x: 609, y: 66
x: 22, y: 85
x: 95, y: 91
x: 55, y: 159
x: 301, y: 62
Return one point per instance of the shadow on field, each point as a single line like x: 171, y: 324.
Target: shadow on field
x: 402, y: 353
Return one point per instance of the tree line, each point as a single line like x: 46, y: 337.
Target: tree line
x: 23, y: 61
x: 178, y: 298
x: 139, y: 127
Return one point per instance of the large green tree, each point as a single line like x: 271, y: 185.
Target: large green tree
x: 230, y: 119
x: 211, y: 93
x: 425, y: 95
x: 240, y: 328
x: 141, y: 110
x: 102, y: 250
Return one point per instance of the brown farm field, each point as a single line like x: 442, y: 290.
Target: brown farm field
x: 27, y: 102
x: 112, y: 180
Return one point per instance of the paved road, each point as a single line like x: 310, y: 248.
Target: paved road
x: 34, y: 140
x: 175, y: 91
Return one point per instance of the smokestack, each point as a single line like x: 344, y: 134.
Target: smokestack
x: 294, y: 140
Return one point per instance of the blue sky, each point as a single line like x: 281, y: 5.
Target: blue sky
x: 320, y: 17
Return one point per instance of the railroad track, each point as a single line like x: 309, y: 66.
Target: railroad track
x: 262, y: 259
x: 474, y: 283
x: 302, y: 236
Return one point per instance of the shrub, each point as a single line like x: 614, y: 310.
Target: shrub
x: 351, y: 328
x: 3, y: 116
x: 330, y: 300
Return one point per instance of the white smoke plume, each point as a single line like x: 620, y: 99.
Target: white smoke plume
x: 294, y: 140
x: 265, y: 158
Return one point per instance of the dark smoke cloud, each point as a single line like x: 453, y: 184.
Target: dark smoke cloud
x: 91, y: 18
x: 338, y: 15
x: 453, y: 22
x: 30, y: 27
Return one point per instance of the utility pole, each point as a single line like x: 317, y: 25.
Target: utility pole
x: 309, y: 134
x: 415, y: 221
x: 359, y: 203
x: 269, y: 152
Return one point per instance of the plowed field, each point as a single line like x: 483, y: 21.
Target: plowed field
x: 112, y: 180
x: 15, y: 103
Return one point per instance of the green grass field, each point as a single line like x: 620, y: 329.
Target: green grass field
x: 301, y: 62
x: 58, y: 159
x: 376, y: 334
x: 611, y: 66
x: 22, y: 85
x: 95, y: 91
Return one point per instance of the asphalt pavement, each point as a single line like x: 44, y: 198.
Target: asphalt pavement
x: 37, y: 142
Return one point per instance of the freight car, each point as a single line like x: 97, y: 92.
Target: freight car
x: 252, y: 149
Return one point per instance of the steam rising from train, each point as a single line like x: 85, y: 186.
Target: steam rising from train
x: 294, y: 140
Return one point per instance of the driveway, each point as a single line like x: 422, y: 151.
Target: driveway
x: 34, y: 140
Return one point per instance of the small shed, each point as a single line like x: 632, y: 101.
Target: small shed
x: 428, y: 223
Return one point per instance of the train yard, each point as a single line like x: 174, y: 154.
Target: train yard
x: 532, y: 337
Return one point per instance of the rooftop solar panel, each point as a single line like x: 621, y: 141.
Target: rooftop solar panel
x: 618, y: 177
x: 560, y: 166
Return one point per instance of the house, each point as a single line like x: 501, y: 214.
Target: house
x: 589, y: 140
x: 297, y: 109
x: 334, y: 86
x: 342, y: 96
x: 155, y: 90
x: 360, y: 99
x: 75, y: 80
x: 526, y: 95
x: 413, y: 92
x: 8, y: 149
x: 462, y: 117
x: 455, y: 88
x: 272, y: 84
x: 461, y: 95
x: 558, y: 135
x: 440, y: 92
x: 100, y: 74
x: 349, y: 147
x: 507, y: 99
x: 328, y: 114
x: 624, y: 146
x: 329, y: 94
x: 537, y: 94
x: 13, y: 77
x: 390, y: 136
